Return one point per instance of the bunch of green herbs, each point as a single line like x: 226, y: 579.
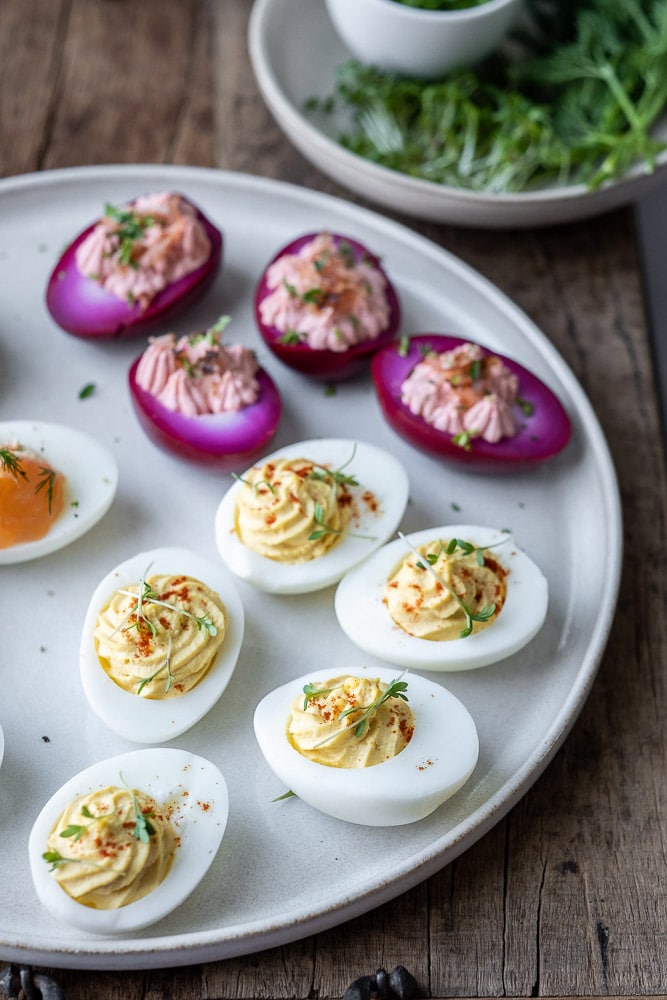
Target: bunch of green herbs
x: 571, y: 99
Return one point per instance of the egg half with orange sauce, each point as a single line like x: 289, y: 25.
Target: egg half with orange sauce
x: 56, y: 483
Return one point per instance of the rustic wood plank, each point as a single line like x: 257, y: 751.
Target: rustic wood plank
x: 29, y: 72
x: 124, y: 82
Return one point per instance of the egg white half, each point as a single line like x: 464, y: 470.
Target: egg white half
x: 365, y: 620
x: 376, y: 471
x: 199, y: 792
x: 92, y: 477
x: 146, y: 720
x: 437, y: 761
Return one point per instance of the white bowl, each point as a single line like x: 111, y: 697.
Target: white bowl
x: 416, y: 42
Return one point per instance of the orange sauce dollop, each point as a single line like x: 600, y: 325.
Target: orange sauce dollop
x: 32, y: 496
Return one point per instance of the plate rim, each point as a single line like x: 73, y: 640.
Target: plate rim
x: 282, y: 928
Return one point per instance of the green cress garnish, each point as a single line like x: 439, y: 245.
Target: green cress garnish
x: 146, y: 595
x: 396, y: 689
x: 484, y: 613
x: 338, y: 478
x: 577, y: 106
x: 143, y: 830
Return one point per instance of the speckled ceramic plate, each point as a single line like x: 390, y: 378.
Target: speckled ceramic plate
x: 295, y: 51
x: 255, y: 895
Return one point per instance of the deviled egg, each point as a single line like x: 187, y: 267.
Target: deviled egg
x: 465, y: 404
x: 299, y: 520
x: 134, y: 268
x: 324, y: 305
x: 55, y: 481
x: 203, y: 400
x: 145, y: 824
x: 430, y: 751
x: 454, y: 597
x: 159, y: 644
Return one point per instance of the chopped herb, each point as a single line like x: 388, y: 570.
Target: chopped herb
x: 347, y: 253
x: 314, y: 296
x: 330, y: 389
x: 290, y: 337
x: 525, y: 406
x: 285, y: 795
x: 87, y: 390
x: 404, y: 346
x: 130, y: 229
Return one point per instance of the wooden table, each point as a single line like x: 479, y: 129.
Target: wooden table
x: 566, y: 895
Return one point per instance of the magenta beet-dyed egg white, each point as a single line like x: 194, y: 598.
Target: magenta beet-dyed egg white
x: 324, y: 305
x: 134, y: 268
x: 463, y: 403
x: 203, y: 400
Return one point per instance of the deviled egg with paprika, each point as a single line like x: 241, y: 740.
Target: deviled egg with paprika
x: 124, y: 842
x: 306, y: 514
x: 367, y: 745
x: 454, y: 597
x: 160, y: 642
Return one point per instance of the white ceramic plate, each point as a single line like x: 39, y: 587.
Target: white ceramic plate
x: 295, y: 50
x: 254, y: 895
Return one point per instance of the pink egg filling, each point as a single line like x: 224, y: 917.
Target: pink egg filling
x: 135, y: 252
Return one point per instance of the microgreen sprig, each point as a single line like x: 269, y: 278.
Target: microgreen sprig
x: 146, y: 595
x: 77, y: 830
x: 325, y: 529
x: 484, y: 613
x: 320, y: 474
x: 395, y: 689
x: 166, y: 665
x: 55, y: 860
x: 143, y: 828
x: 253, y: 486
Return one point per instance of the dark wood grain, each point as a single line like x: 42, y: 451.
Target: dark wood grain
x: 566, y: 895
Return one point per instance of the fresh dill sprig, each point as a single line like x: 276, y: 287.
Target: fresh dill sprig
x: 11, y: 463
x: 47, y: 479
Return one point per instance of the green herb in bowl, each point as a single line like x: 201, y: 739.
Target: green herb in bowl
x: 576, y: 102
